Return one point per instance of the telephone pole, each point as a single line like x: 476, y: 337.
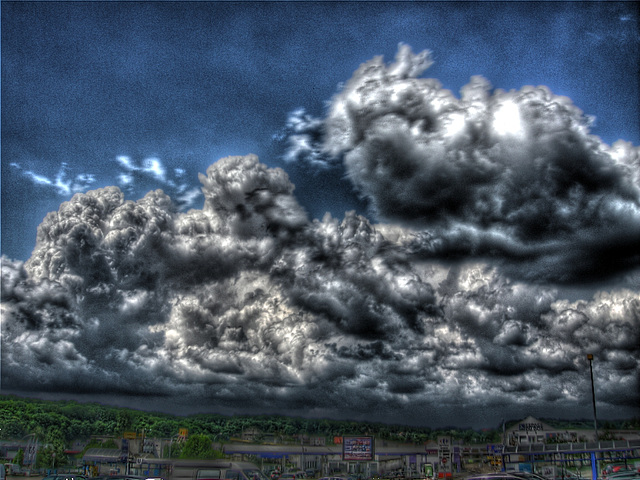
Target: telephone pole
x: 593, y: 395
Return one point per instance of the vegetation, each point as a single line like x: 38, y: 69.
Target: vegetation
x: 58, y: 423
x: 198, y: 446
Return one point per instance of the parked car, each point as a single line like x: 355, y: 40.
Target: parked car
x: 495, y: 476
x: 624, y: 475
x: 528, y: 475
x: 569, y: 475
x: 288, y: 476
x: 553, y: 472
x: 122, y: 477
x: 612, y: 468
x: 65, y: 476
x: 230, y: 471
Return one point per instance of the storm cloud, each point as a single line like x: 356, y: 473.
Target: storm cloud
x: 514, y: 176
x: 246, y: 305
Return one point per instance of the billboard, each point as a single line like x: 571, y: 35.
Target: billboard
x: 358, y: 449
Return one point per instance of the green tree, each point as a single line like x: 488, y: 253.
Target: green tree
x: 19, y: 458
x: 198, y: 446
x: 52, y: 455
x: 174, y: 449
x: 123, y: 422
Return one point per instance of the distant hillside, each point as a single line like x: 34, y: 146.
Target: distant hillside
x: 70, y: 420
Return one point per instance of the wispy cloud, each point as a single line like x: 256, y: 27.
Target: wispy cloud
x: 304, y: 136
x: 128, y: 176
x: 61, y: 182
x: 153, y: 169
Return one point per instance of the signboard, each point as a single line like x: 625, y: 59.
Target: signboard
x: 358, y: 449
x: 444, y: 451
x: 530, y: 427
x: 444, y: 442
x: 183, y: 433
x: 495, y: 449
x: 428, y: 470
x: 130, y: 435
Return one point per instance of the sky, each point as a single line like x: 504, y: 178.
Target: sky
x: 421, y: 213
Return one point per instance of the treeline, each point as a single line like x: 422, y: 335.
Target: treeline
x: 72, y: 420
x: 64, y: 421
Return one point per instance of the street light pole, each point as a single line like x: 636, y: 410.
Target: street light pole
x: 593, y: 396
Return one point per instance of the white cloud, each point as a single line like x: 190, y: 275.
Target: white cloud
x: 61, y: 183
x: 304, y: 137
x: 190, y: 196
x: 39, y: 179
x: 154, y: 167
x: 125, y: 162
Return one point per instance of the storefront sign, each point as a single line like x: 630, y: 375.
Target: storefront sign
x: 530, y: 427
x: 358, y: 449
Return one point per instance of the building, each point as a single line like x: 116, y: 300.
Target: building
x: 532, y: 431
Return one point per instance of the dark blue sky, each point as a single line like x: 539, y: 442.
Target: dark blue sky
x: 188, y: 83
x: 497, y: 241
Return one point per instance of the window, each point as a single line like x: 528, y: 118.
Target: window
x: 215, y: 473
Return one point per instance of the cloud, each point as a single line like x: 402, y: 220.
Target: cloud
x: 154, y: 167
x: 59, y: 183
x: 304, y: 135
x: 130, y: 177
x: 515, y: 176
x: 246, y: 305
x: 137, y: 175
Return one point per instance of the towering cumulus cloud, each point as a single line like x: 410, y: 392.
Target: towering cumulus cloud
x: 246, y: 305
x: 505, y: 174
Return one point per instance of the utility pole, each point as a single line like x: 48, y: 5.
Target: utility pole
x: 593, y: 395
x: 594, y: 459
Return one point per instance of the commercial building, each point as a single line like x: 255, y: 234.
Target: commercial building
x: 533, y: 445
x: 533, y: 431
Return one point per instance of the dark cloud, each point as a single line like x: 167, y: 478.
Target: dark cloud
x: 344, y: 275
x: 248, y: 305
x: 514, y: 176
